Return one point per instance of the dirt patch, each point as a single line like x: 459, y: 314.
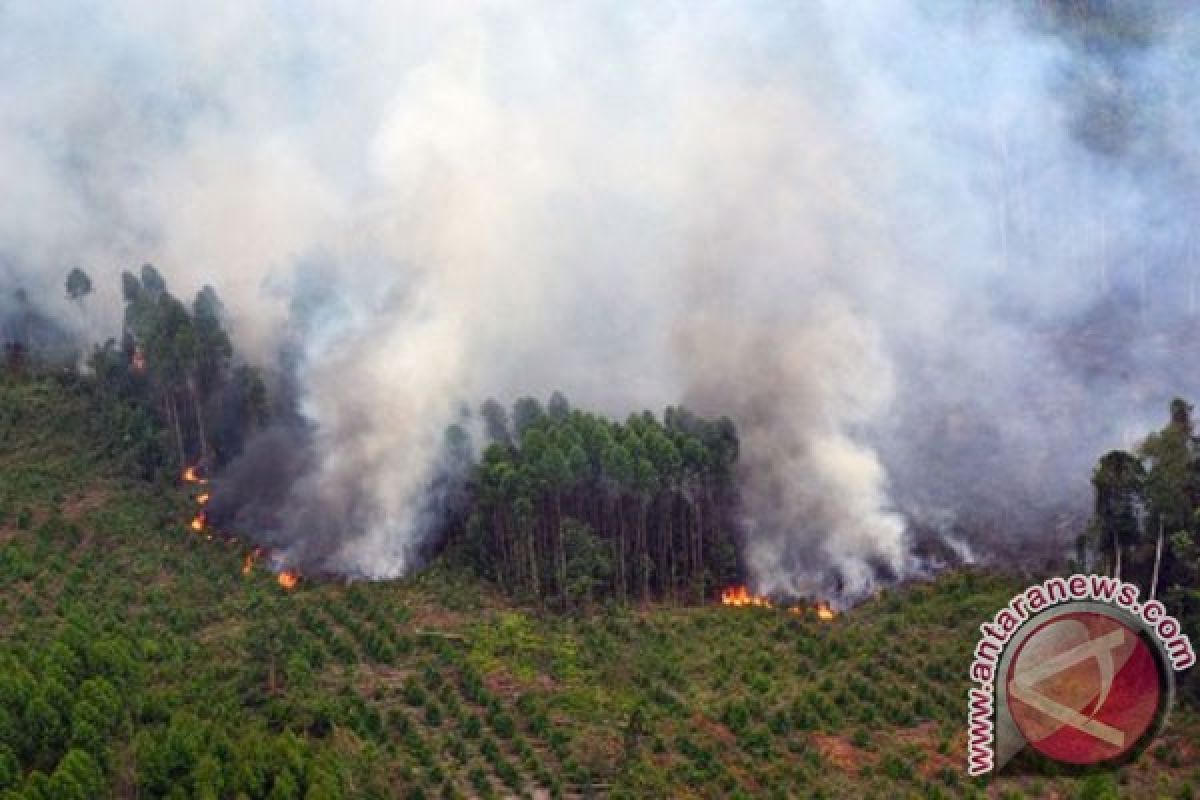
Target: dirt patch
x: 225, y: 631
x: 433, y: 618
x: 838, y: 750
x: 85, y: 502
x: 1183, y: 748
x: 372, y: 677
x: 369, y: 678
x: 714, y: 729
x: 925, y: 738
x: 500, y: 683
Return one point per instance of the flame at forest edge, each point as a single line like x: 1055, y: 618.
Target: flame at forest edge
x: 192, y: 475
x: 741, y: 597
x: 288, y: 579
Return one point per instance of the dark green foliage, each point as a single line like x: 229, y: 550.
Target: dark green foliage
x: 176, y: 364
x: 1098, y: 787
x: 79, y: 285
x: 576, y: 507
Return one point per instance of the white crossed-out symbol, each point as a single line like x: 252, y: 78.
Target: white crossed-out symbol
x: 1101, y: 649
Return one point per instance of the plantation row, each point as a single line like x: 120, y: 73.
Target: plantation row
x: 449, y: 734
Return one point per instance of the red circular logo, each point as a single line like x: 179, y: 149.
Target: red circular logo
x: 1084, y: 687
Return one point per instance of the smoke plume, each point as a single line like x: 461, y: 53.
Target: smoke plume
x: 932, y: 258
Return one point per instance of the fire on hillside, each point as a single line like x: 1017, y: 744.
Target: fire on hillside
x: 741, y: 597
x: 288, y: 579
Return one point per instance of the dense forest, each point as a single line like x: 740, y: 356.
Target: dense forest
x: 569, y: 505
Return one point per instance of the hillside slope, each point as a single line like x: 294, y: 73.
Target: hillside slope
x: 138, y: 661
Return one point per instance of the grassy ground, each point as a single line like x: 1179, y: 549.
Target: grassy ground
x: 139, y: 661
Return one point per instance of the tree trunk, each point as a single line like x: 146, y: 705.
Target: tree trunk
x: 531, y: 553
x: 669, y: 544
x: 699, y: 534
x: 205, y: 450
x: 643, y: 550
x: 1157, y: 560
x: 620, y: 548
x: 560, y: 549
x: 173, y: 411
x: 500, y: 536
x: 1116, y: 557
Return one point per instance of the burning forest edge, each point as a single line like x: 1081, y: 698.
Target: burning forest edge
x: 558, y: 505
x: 562, y: 506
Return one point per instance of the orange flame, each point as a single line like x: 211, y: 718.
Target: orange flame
x: 288, y: 579
x: 248, y: 562
x: 192, y: 475
x: 198, y: 522
x: 202, y: 499
x: 139, y: 360
x: 739, y: 596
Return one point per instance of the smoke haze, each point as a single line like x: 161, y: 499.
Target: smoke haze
x: 932, y: 258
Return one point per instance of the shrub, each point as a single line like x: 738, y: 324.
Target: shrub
x: 414, y: 695
x: 1100, y: 786
x: 897, y: 769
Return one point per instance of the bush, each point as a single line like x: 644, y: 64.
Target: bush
x: 10, y: 768
x: 1100, y: 786
x: 414, y: 695
x: 897, y: 769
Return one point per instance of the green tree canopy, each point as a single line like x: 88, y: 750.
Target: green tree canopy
x: 79, y: 285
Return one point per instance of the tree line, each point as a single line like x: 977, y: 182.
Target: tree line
x: 1145, y: 526
x: 562, y: 505
x: 568, y: 506
x: 181, y: 360
x: 173, y: 367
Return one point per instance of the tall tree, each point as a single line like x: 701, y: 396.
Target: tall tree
x: 526, y: 411
x: 1118, y: 482
x: 79, y: 285
x: 210, y: 351
x: 495, y: 421
x: 557, y: 407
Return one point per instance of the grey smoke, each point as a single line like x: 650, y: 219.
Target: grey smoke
x: 891, y: 239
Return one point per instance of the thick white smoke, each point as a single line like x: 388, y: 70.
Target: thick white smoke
x: 853, y: 227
